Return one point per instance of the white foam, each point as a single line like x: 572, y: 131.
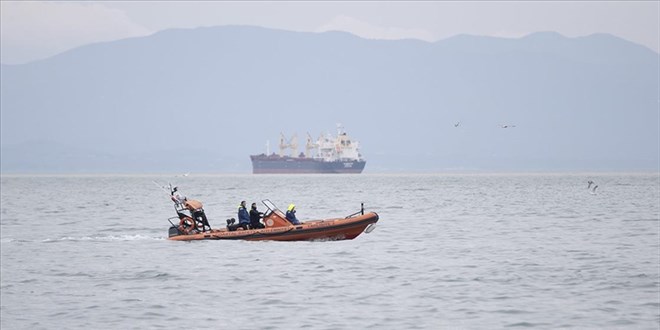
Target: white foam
x: 137, y: 237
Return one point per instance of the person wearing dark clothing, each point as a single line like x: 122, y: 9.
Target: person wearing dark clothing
x: 197, y: 212
x: 291, y: 215
x: 255, y: 216
x: 243, y: 216
x: 200, y: 215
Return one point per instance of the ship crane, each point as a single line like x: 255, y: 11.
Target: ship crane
x: 310, y: 145
x: 283, y: 144
x: 291, y: 144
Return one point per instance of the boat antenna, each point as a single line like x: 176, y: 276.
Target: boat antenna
x: 169, y: 185
x: 340, y: 129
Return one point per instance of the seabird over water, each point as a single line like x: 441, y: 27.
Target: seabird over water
x: 592, y: 190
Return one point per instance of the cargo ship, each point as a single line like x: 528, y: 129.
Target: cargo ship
x: 327, y: 154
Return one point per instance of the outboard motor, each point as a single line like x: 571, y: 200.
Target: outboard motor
x: 174, y: 231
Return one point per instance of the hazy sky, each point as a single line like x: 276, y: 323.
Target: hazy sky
x: 34, y: 30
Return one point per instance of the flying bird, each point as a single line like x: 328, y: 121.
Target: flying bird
x: 507, y: 126
x: 592, y: 190
x: 457, y: 124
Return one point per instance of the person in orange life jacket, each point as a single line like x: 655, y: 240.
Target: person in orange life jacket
x: 291, y: 215
x: 243, y: 218
x: 254, y: 217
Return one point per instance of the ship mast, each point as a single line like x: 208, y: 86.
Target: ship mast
x: 340, y: 129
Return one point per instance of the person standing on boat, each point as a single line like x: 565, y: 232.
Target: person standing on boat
x: 197, y: 211
x: 255, y: 216
x: 177, y: 198
x: 291, y: 214
x: 195, y: 208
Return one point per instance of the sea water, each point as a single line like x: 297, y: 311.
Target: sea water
x: 476, y: 251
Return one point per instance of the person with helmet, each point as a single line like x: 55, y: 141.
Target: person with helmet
x: 291, y: 214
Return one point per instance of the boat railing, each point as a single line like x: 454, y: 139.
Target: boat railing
x: 361, y: 212
x: 170, y: 220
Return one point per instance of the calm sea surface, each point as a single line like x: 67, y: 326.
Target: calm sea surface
x: 450, y: 251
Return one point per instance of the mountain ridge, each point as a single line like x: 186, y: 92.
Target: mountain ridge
x: 228, y: 89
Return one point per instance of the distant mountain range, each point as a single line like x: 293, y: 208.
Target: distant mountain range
x: 204, y: 99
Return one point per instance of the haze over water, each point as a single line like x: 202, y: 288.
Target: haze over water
x: 450, y: 251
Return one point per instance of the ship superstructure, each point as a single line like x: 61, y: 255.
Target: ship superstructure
x: 327, y: 154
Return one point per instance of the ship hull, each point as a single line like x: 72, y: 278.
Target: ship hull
x: 262, y: 164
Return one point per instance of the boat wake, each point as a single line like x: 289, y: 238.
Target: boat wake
x: 103, y: 238
x: 329, y: 239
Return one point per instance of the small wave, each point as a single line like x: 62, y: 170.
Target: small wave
x: 418, y: 189
x: 621, y: 322
x: 78, y: 274
x: 512, y: 311
x: 31, y: 280
x: 70, y: 223
x: 525, y: 325
x: 651, y: 304
x: 137, y: 237
x: 641, y: 220
x: 150, y: 315
x: 147, y: 275
x: 53, y: 211
x: 14, y: 240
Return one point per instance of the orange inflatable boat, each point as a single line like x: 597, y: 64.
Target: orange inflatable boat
x: 277, y: 227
